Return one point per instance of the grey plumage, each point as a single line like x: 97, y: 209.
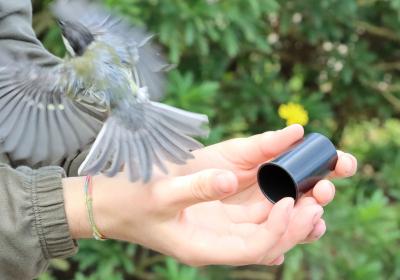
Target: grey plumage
x: 38, y: 122
x: 47, y: 114
x: 132, y: 44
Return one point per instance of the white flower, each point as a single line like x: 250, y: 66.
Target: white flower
x: 297, y: 18
x: 338, y: 66
x: 326, y: 87
x: 327, y: 46
x: 273, y: 38
x: 343, y: 49
x: 383, y: 86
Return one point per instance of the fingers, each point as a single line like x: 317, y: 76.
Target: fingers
x: 244, y: 244
x: 256, y: 212
x: 316, y: 234
x: 271, y: 231
x: 346, y: 165
x: 318, y: 231
x: 324, y: 192
x: 249, y: 152
x: 206, y: 185
x: 301, y: 225
x: 304, y: 201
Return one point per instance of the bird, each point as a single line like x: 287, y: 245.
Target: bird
x: 107, y: 90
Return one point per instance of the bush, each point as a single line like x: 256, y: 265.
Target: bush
x: 242, y: 63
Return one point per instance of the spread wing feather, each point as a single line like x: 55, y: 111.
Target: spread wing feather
x: 140, y: 144
x: 39, y: 123
x: 152, y: 142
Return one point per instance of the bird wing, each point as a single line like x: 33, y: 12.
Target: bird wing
x: 131, y: 43
x: 154, y: 134
x: 39, y: 122
x: 144, y: 133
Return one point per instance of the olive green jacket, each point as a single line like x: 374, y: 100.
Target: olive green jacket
x: 33, y: 225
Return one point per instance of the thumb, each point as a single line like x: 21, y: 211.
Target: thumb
x: 206, y: 185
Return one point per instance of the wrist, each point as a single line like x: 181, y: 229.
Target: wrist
x: 75, y: 209
x: 112, y: 203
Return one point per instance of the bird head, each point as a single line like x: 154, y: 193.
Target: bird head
x: 76, y: 37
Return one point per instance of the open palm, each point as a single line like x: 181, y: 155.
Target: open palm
x: 232, y: 222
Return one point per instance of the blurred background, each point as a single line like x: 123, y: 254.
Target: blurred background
x: 252, y: 66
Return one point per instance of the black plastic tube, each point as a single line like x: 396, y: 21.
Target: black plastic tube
x: 299, y: 169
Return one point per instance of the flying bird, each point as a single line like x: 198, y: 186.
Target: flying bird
x: 103, y: 91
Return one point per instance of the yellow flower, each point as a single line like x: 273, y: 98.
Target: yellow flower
x: 293, y: 113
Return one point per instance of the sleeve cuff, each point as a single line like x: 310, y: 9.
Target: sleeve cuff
x: 51, y: 223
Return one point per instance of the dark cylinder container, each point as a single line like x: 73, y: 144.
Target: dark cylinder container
x: 299, y: 169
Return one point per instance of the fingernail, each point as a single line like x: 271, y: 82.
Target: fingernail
x: 296, y: 125
x: 332, y: 187
x: 225, y: 181
x: 354, y: 161
x: 319, y: 234
x: 321, y: 231
x: 268, y: 135
x: 290, y: 206
x: 350, y: 165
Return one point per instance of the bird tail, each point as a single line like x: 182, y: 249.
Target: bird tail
x: 163, y: 135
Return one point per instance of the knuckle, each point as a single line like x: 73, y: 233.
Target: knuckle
x: 308, y: 200
x: 198, y: 187
x: 157, y: 201
x: 269, y: 150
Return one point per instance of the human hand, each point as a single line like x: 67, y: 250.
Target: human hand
x: 243, y: 157
x: 211, y: 216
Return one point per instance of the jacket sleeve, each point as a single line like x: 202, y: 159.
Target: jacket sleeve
x: 33, y: 226
x: 17, y: 38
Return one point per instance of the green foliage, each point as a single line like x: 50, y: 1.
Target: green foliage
x: 111, y: 260
x: 238, y: 61
x: 174, y: 271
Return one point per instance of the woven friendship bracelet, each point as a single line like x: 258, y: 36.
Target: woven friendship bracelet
x: 89, y: 206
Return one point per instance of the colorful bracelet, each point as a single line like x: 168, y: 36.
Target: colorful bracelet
x: 89, y: 206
